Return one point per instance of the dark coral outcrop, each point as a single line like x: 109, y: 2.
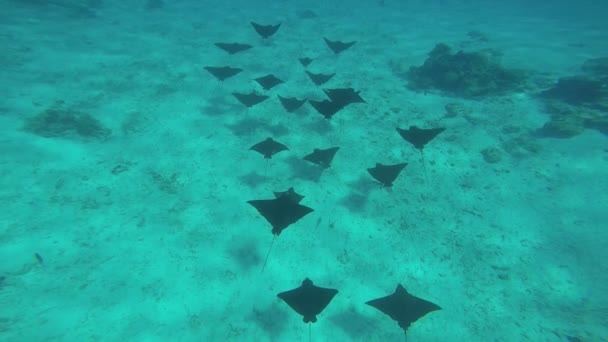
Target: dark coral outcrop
x: 465, y: 74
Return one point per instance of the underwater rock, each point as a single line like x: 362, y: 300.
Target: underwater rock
x: 562, y: 127
x: 491, y: 155
x: 466, y: 74
x: 567, y: 121
x: 578, y: 102
x: 577, y: 90
x: 62, y: 122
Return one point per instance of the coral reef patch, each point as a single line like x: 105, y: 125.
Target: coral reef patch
x: 464, y: 74
x: 578, y: 102
x: 567, y: 121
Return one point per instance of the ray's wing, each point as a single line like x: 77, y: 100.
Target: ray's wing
x: 322, y: 157
x: 291, y: 194
x: 377, y: 173
x: 293, y: 212
x: 314, y: 157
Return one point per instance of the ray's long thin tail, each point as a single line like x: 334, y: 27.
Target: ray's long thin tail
x: 426, y: 176
x: 274, y: 237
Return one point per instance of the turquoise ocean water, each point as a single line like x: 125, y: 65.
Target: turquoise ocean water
x: 126, y: 169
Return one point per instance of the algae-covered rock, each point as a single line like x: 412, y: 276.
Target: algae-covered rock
x: 579, y: 102
x: 466, y: 74
x: 567, y: 121
x: 491, y: 155
x: 58, y: 121
x: 563, y: 127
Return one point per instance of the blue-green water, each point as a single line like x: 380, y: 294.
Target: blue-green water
x: 126, y: 170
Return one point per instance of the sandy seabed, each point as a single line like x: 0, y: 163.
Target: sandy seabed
x: 146, y: 235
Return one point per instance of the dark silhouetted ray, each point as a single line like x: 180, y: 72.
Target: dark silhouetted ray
x: 337, y: 46
x: 308, y: 300
x: 268, y: 148
x: 344, y: 96
x: 233, y: 48
x: 386, y: 174
x: 326, y: 108
x: 322, y: 157
x: 250, y: 99
x: 419, y: 137
x: 319, y: 79
x: 291, y: 104
x: 403, y: 308
x: 222, y: 73
x: 290, y: 193
x: 280, y: 212
x: 268, y: 82
x: 305, y: 61
x: 265, y: 30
